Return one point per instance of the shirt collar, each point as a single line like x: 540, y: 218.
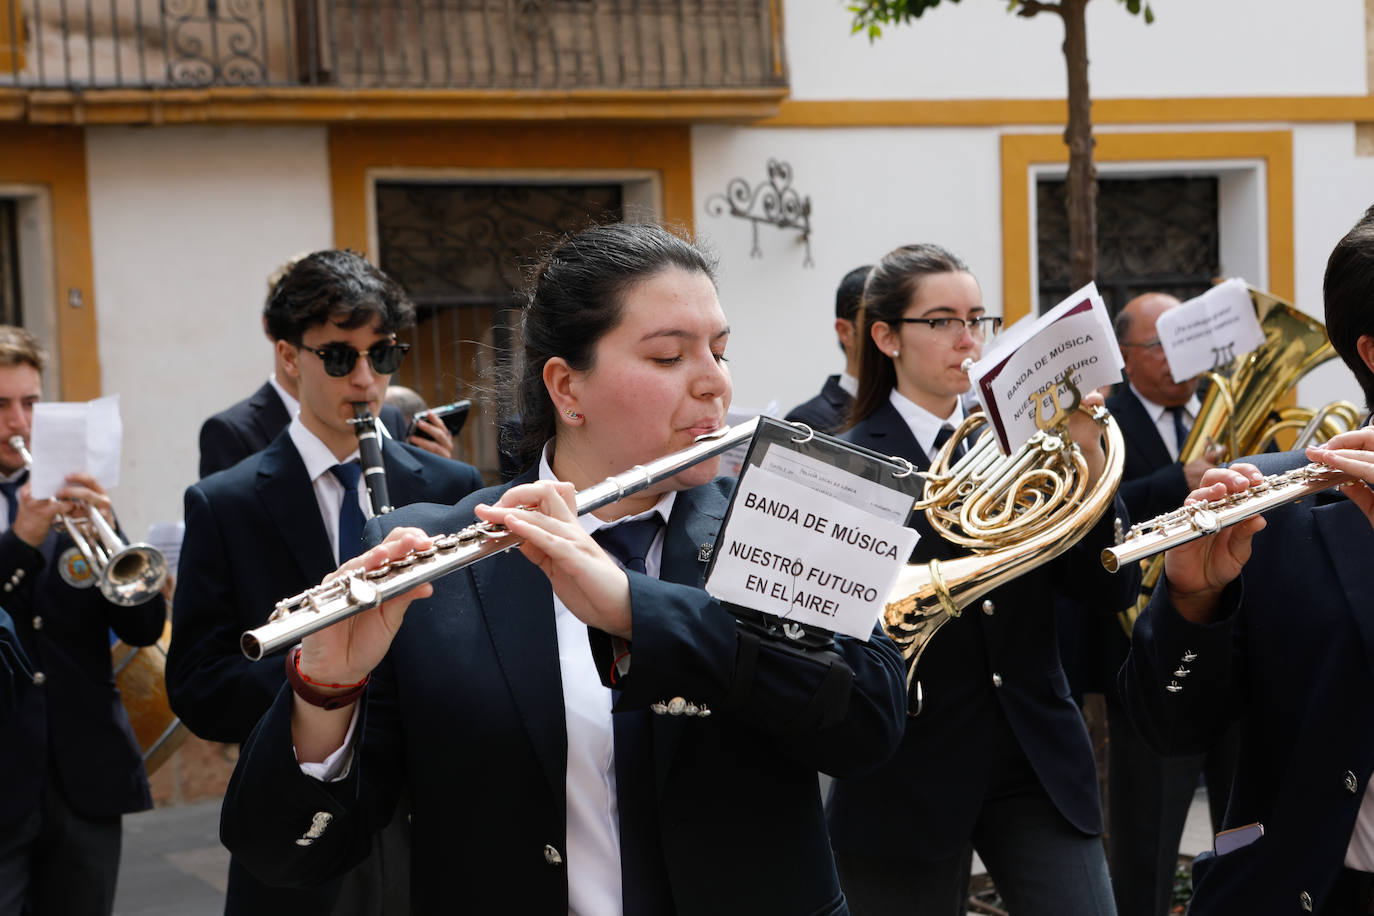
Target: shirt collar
x: 925, y: 426
x: 1156, y: 411
x: 316, y: 455
x: 589, y: 522
x: 292, y: 405
x: 850, y: 384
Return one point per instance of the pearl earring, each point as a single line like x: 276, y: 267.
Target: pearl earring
x: 894, y: 353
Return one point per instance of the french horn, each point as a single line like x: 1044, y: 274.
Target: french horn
x: 1015, y: 512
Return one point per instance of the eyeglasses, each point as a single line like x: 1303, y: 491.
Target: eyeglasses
x: 1147, y: 345
x: 953, y: 327
x: 339, y: 358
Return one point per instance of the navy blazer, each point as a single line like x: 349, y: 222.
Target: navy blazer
x: 250, y: 426
x: 466, y: 712
x: 253, y: 537
x: 923, y: 803
x: 1152, y: 482
x: 1289, y: 657
x: 827, y: 412
x: 69, y: 717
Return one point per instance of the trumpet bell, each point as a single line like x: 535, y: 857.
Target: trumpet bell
x: 132, y: 576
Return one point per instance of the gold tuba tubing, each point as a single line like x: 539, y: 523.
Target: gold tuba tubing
x: 1238, y: 412
x: 1041, y: 493
x: 126, y: 574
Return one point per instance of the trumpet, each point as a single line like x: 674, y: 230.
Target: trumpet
x: 126, y: 574
x: 1191, y: 522
x: 349, y: 592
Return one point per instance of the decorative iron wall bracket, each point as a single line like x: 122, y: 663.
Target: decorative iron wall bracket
x: 773, y: 202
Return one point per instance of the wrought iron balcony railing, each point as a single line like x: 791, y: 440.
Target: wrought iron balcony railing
x: 402, y: 44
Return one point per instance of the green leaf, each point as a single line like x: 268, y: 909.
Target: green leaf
x: 1133, y: 7
x: 1149, y: 14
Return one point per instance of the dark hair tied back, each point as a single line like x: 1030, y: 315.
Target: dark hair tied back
x: 575, y: 297
x: 888, y: 292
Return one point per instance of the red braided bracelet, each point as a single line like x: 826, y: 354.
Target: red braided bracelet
x: 305, y: 688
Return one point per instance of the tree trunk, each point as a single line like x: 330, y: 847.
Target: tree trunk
x: 1078, y: 136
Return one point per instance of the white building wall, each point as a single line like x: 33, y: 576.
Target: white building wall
x: 871, y: 190
x: 976, y: 50
x: 186, y: 225
x: 1332, y: 187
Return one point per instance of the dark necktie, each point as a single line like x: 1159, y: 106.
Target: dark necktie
x: 941, y: 438
x: 644, y: 887
x: 1180, y: 428
x: 11, y: 491
x: 350, y: 512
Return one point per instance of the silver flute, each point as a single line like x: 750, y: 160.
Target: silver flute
x: 1188, y: 523
x: 348, y: 592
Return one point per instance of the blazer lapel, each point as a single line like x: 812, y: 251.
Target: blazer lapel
x: 1342, y: 525
x: 289, y: 500
x: 1140, y: 431
x: 269, y: 413
x: 693, y: 526
x: 517, y: 603
x: 887, y: 433
x: 405, y: 477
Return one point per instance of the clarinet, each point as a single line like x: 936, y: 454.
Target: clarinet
x: 370, y: 452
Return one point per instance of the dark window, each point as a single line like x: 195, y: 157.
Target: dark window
x: 11, y: 311
x: 462, y: 252
x: 1153, y: 235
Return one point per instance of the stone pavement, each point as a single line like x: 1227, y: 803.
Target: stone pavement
x: 173, y: 864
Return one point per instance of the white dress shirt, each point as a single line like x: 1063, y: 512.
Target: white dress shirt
x: 593, y: 840
x: 329, y: 492
x: 924, y: 425
x: 849, y: 383
x: 1163, y: 419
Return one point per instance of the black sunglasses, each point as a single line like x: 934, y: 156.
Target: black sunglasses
x: 339, y: 359
x: 978, y: 327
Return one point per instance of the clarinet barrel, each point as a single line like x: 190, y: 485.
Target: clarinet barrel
x: 370, y: 453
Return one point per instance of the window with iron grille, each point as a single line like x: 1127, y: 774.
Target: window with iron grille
x: 1153, y: 235
x: 462, y: 251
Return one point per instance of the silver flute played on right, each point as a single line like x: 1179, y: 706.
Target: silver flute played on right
x: 1191, y: 522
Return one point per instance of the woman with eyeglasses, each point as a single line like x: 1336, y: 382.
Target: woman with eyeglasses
x: 995, y: 757
x: 580, y: 727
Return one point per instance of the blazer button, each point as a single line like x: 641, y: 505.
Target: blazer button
x: 988, y: 607
x: 996, y: 679
x: 39, y: 679
x: 1306, y: 900
x: 37, y: 622
x: 1352, y: 785
x: 552, y: 855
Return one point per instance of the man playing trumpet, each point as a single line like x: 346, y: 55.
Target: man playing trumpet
x: 71, y: 764
x: 1268, y: 623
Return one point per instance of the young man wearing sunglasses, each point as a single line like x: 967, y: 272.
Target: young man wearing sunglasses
x: 277, y: 522
x: 249, y: 426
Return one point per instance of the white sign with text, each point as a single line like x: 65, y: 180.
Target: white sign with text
x: 1209, y: 331
x: 1075, y: 337
x: 807, y: 557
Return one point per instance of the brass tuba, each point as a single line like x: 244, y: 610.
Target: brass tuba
x: 1241, y: 413
x: 1015, y: 511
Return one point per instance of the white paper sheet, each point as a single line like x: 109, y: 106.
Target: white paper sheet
x: 70, y: 437
x: 1209, y: 331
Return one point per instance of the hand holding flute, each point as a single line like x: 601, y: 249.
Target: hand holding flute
x: 1198, y: 571
x: 337, y: 657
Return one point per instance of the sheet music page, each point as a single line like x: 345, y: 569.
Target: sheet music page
x: 70, y: 437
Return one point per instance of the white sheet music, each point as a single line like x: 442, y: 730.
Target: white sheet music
x: 70, y: 437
